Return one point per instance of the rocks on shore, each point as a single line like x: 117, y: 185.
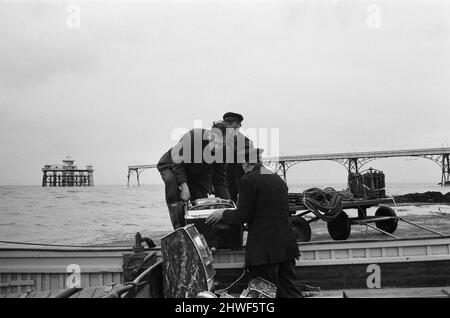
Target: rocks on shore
x: 429, y: 197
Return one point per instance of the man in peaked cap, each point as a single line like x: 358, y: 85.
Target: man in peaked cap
x: 271, y: 247
x: 233, y: 117
x: 237, y: 142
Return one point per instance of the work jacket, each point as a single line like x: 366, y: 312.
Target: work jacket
x: 263, y: 205
x: 189, y: 164
x: 234, y: 168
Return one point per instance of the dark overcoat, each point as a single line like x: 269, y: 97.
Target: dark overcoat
x: 234, y: 169
x: 201, y: 174
x: 263, y: 205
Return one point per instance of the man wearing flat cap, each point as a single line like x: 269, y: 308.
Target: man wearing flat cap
x: 237, y: 142
x: 189, y: 173
x: 271, y: 247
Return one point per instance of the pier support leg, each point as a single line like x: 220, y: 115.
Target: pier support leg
x: 91, y: 179
x: 445, y: 179
x: 44, y: 179
x: 352, y: 167
x: 283, y: 170
x: 130, y: 172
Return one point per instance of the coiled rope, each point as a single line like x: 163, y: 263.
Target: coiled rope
x: 326, y: 204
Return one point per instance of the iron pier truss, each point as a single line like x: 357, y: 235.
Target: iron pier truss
x: 352, y: 161
x: 137, y: 169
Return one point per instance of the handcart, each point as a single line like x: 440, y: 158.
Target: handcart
x: 339, y: 227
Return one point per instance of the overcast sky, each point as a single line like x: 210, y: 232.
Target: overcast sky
x: 330, y: 75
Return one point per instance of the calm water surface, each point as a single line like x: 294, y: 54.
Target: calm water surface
x: 103, y: 214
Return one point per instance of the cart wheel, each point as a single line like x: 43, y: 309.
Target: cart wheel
x: 340, y: 227
x: 388, y: 225
x: 301, y: 229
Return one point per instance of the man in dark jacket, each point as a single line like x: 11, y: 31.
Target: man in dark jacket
x: 271, y: 247
x: 236, y: 141
x: 193, y: 169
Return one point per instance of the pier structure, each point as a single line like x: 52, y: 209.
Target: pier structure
x: 352, y: 161
x: 67, y: 175
x: 137, y: 169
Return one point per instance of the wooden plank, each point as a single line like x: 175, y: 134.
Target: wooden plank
x: 95, y: 279
x: 85, y: 280
x: 118, y: 277
x: 40, y: 294
x: 415, y: 274
x: 22, y: 283
x: 27, y: 276
x: 54, y: 281
x: 109, y: 279
x: 85, y: 293
x: 100, y: 292
x: 421, y: 292
x: 14, y: 289
x: 38, y: 281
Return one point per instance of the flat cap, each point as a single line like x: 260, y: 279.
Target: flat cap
x: 220, y: 126
x: 230, y: 116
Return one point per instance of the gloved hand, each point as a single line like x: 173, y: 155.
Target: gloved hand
x: 185, y: 195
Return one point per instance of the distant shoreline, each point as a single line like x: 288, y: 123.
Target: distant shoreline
x: 424, y: 197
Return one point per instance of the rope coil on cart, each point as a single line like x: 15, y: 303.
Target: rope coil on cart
x: 326, y: 203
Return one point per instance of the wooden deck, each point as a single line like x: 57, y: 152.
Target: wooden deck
x: 40, y: 269
x: 330, y: 265
x: 420, y: 292
x: 366, y: 260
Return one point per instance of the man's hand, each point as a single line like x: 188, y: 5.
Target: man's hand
x: 185, y: 195
x: 214, y: 217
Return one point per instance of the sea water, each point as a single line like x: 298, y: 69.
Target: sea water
x: 103, y: 214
